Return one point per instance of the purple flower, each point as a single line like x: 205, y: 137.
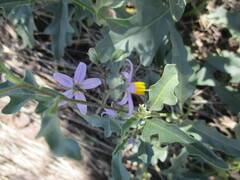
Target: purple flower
x: 132, y: 141
x: 132, y: 88
x: 76, y: 84
x: 110, y: 112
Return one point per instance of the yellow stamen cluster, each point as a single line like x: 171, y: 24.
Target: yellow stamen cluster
x: 140, y: 88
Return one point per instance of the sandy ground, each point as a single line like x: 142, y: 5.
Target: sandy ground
x: 22, y: 157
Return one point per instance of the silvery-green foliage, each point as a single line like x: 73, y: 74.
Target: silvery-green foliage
x: 148, y: 36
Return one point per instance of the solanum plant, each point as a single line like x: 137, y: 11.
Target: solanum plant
x: 144, y: 37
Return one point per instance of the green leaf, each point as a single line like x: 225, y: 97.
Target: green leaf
x: 226, y: 19
x: 108, y: 123
x: 2, y: 67
x: 20, y: 96
x: 215, y: 139
x: 225, y: 63
x: 22, y: 18
x: 177, y: 8
x: 169, y: 133
x: 145, y: 153
x: 229, y: 96
x: 237, y: 131
x: 128, y: 34
x: 114, y: 79
x: 160, y: 153
x: 151, y: 78
x: 127, y: 124
x: 119, y: 172
x: 58, y: 143
x: 176, y: 165
x: 60, y: 28
x: 163, y: 91
x: 180, y: 57
x: 14, y: 3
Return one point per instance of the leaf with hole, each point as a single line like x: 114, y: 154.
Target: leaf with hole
x: 170, y: 133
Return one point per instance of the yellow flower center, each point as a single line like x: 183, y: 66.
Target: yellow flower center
x: 140, y: 88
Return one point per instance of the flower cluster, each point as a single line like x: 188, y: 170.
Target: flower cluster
x: 78, y: 84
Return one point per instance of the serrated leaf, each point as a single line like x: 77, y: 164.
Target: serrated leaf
x: 180, y: 57
x: 177, y: 8
x: 119, y: 172
x: 58, y: 143
x: 163, y: 91
x: 215, y: 139
x: 108, y: 123
x: 229, y: 96
x: 128, y: 34
x: 169, y: 133
x: 60, y: 28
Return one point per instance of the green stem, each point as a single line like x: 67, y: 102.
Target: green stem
x: 6, y: 90
x: 55, y: 95
x: 88, y: 8
x: 197, y: 9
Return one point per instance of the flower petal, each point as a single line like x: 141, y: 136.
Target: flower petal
x: 82, y: 107
x: 126, y: 75
x: 91, y: 83
x: 109, y: 112
x: 68, y: 94
x: 124, y: 99
x: 131, y: 88
x: 80, y: 73
x: 63, y: 79
x: 130, y: 105
x: 131, y: 70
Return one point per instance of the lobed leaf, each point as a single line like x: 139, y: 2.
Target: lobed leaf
x: 225, y: 63
x: 108, y: 123
x: 60, y: 28
x: 58, y: 143
x: 163, y: 91
x: 226, y: 19
x: 169, y: 133
x: 127, y: 34
x: 215, y: 139
x: 145, y: 153
x: 20, y: 96
x: 180, y: 57
x: 22, y: 18
x: 160, y: 153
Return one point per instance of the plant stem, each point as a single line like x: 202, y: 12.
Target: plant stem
x: 88, y: 8
x: 55, y: 95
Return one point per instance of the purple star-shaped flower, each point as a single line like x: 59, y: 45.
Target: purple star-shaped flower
x: 132, y: 88
x: 76, y: 84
